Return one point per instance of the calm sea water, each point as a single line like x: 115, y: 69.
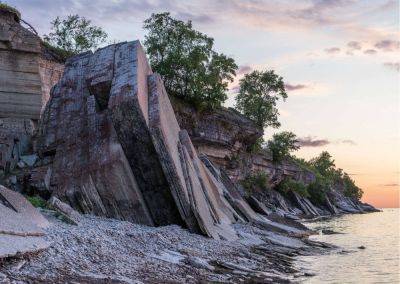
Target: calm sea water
x: 379, y: 262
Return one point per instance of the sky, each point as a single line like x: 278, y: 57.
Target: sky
x: 339, y: 59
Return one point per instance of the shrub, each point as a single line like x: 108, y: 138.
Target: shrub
x: 256, y: 181
x: 290, y: 185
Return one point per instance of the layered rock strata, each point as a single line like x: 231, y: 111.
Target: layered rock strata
x: 114, y: 148
x: 26, y: 77
x: 225, y: 137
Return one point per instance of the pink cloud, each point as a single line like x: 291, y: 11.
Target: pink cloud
x: 332, y: 50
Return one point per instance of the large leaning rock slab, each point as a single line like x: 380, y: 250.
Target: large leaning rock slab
x: 194, y: 190
x: 90, y: 169
x: 128, y: 109
x: 164, y: 131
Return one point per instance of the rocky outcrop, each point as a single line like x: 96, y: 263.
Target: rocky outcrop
x: 226, y: 137
x: 26, y: 77
x: 113, y: 147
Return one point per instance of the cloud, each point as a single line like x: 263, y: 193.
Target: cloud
x: 295, y: 87
x: 318, y: 11
x: 312, y: 142
x: 243, y: 69
x: 197, y: 18
x: 354, y: 45
x: 332, y: 50
x: 392, y: 65
x: 387, y: 45
x: 348, y: 141
x: 370, y: 51
x: 391, y: 184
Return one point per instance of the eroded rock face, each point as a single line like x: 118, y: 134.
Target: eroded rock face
x: 225, y: 137
x: 115, y: 148
x: 26, y: 77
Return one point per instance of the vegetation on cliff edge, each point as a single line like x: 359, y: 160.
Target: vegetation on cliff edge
x: 74, y: 35
x: 189, y: 66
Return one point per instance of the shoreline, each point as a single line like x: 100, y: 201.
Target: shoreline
x: 100, y: 250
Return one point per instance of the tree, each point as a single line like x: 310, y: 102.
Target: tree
x: 258, y: 95
x: 350, y: 188
x: 324, y: 164
x: 185, y: 59
x: 328, y: 176
x: 282, y: 144
x: 75, y: 35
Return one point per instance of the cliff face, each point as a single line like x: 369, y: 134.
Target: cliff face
x: 112, y: 146
x: 225, y: 136
x: 26, y: 77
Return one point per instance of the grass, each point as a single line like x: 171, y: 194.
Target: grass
x: 37, y: 201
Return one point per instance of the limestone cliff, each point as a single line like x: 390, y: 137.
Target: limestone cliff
x: 112, y: 146
x: 225, y: 137
x: 26, y: 77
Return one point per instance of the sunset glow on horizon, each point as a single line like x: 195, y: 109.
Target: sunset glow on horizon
x: 339, y: 59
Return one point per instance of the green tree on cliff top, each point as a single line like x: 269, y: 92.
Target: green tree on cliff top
x: 282, y: 144
x: 186, y: 61
x: 259, y: 92
x: 74, y: 35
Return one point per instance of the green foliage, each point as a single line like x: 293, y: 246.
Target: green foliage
x: 288, y: 184
x: 327, y: 177
x: 258, y: 95
x: 318, y: 189
x: 256, y: 181
x: 324, y: 164
x: 350, y: 188
x: 257, y: 147
x: 186, y: 61
x: 4, y: 6
x: 62, y: 54
x: 282, y: 144
x: 37, y: 201
x: 75, y: 34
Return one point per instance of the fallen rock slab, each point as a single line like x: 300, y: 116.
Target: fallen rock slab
x: 22, y: 206
x: 21, y: 226
x: 15, y: 246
